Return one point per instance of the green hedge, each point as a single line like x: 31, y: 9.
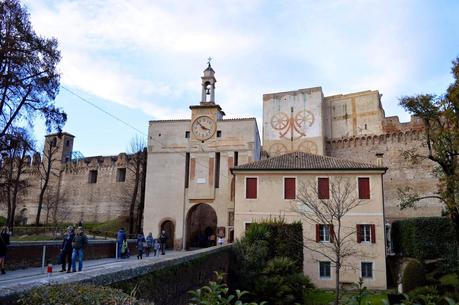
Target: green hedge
x: 283, y: 239
x: 423, y: 238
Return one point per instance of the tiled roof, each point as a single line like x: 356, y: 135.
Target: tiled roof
x: 305, y: 161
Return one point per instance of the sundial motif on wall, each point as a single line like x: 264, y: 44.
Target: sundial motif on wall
x: 292, y: 126
x: 308, y: 147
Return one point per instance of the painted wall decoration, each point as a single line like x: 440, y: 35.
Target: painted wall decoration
x: 292, y: 122
x: 292, y: 126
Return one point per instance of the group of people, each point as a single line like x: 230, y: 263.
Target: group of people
x: 72, y: 249
x: 144, y: 244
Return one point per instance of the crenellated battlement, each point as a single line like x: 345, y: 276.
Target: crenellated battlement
x: 392, y: 124
x: 97, y: 162
x: 371, y: 140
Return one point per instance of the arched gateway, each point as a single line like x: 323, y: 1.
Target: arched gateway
x: 169, y: 227
x: 201, y: 226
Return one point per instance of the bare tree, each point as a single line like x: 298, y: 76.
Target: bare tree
x: 331, y: 213
x: 136, y: 166
x: 15, y: 159
x: 47, y: 169
x: 56, y: 210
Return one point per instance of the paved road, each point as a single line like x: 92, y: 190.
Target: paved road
x: 35, y: 274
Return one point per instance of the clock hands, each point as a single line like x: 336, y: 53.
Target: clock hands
x: 202, y: 126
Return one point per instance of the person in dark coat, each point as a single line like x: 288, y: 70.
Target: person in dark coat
x: 66, y: 249
x: 4, y: 242
x: 80, y: 241
x: 140, y: 245
x: 163, y: 240
x: 120, y: 237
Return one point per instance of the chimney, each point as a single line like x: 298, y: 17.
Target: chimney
x: 379, y: 159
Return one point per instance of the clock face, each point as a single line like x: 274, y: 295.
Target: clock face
x: 203, y: 127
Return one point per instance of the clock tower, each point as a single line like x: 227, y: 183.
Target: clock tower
x: 204, y: 116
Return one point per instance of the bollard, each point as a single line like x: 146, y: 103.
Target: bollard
x: 43, y: 259
x: 116, y: 250
x: 50, y: 271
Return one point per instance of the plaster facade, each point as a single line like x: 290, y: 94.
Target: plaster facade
x: 185, y: 170
x: 270, y: 203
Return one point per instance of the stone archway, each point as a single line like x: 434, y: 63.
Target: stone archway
x: 201, y: 226
x: 169, y: 227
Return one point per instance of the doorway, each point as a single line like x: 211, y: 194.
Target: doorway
x: 201, y: 227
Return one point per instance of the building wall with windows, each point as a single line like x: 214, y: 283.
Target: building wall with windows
x: 262, y: 193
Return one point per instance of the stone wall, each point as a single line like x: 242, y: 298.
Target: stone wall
x: 401, y: 172
x: 78, y: 199
x: 169, y: 284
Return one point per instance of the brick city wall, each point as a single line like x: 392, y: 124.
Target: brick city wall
x: 401, y: 172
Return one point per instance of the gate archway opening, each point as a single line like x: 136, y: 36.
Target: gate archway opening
x: 169, y: 227
x: 201, y: 227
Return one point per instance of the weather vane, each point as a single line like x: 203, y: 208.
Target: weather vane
x: 209, y: 60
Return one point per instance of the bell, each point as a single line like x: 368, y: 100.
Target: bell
x: 208, y: 91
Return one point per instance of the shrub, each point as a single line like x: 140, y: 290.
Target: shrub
x: 2, y: 221
x: 280, y: 283
x: 217, y: 293
x: 77, y: 294
x: 269, y: 262
x: 423, y: 237
x: 413, y: 275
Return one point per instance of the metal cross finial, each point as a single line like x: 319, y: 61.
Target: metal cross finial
x: 209, y: 60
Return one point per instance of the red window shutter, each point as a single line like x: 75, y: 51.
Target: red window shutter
x: 364, y: 188
x: 251, y: 188
x: 317, y: 232
x: 332, y: 233
x: 289, y: 188
x: 373, y: 233
x: 324, y: 188
x: 358, y: 229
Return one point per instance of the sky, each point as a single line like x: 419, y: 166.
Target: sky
x: 142, y: 59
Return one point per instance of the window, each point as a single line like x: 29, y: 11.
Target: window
x: 366, y: 233
x: 121, y: 175
x: 187, y: 169
x: 324, y: 269
x: 217, y: 170
x: 364, y: 188
x: 250, y: 188
x: 54, y: 142
x: 236, y: 156
x: 289, y: 188
x: 231, y: 218
x: 187, y: 134
x: 247, y: 225
x: 367, y: 270
x: 92, y: 176
x: 324, y: 233
x: 323, y: 188
x: 219, y: 133
x: 67, y: 143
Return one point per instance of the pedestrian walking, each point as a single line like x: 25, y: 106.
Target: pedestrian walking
x: 163, y: 240
x: 140, y: 245
x: 125, y: 248
x: 66, y: 249
x: 120, y: 237
x: 150, y: 244
x: 4, y: 242
x: 220, y: 240
x: 80, y: 241
x: 157, y: 247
